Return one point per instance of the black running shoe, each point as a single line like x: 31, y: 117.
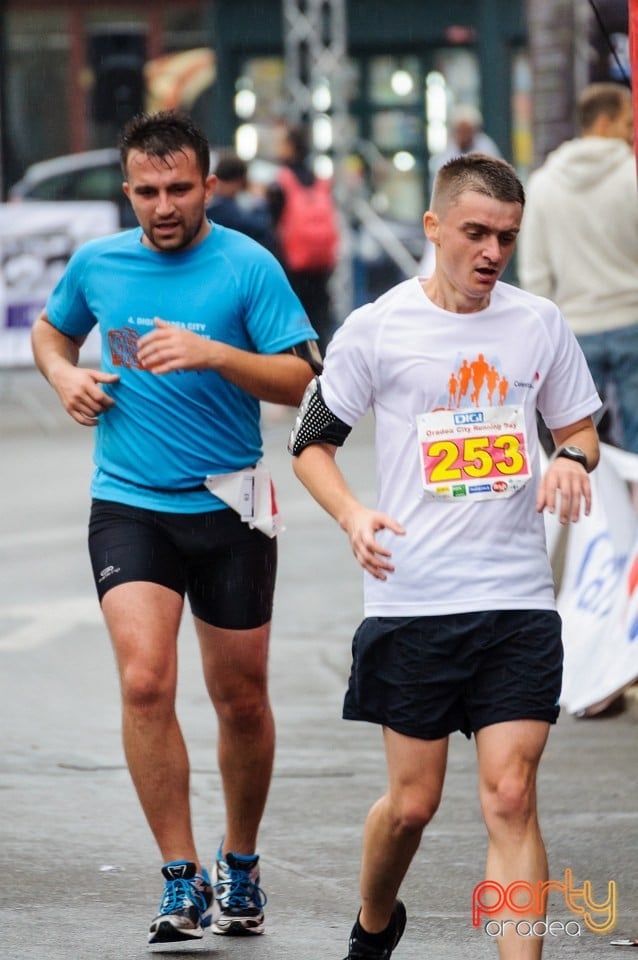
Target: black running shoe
x: 358, y: 949
x: 186, y: 907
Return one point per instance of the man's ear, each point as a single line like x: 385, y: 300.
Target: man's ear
x: 431, y: 226
x: 209, y: 186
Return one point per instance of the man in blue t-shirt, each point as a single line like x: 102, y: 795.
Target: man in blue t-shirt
x: 198, y: 324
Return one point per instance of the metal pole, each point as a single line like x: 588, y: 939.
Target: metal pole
x: 633, y: 59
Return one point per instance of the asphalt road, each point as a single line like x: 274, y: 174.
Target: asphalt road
x: 79, y: 870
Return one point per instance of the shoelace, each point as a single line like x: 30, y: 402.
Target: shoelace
x: 180, y: 893
x: 238, y: 891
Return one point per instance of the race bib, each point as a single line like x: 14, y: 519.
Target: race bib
x: 251, y: 493
x: 473, y: 454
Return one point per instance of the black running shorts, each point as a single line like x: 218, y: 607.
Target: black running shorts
x: 426, y: 677
x: 226, y: 569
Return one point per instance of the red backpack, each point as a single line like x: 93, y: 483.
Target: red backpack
x: 307, y: 228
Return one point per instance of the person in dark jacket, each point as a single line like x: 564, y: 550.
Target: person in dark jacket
x: 253, y: 217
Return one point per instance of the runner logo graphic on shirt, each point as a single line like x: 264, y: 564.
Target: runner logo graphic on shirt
x: 475, y: 382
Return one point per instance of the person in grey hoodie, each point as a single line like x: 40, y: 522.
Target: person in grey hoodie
x: 579, y: 247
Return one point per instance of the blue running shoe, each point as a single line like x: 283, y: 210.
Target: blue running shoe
x: 185, y: 909
x: 239, y: 900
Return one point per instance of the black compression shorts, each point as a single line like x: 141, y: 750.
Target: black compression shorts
x: 226, y: 569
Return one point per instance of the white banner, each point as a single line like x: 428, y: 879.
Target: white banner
x: 36, y: 241
x: 598, y: 599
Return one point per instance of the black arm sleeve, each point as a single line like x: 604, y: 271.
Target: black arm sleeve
x: 309, y: 351
x: 316, y: 423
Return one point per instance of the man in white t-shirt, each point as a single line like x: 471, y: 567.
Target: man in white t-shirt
x: 460, y: 629
x: 466, y: 135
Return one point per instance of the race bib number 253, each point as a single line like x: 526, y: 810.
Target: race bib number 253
x: 473, y: 454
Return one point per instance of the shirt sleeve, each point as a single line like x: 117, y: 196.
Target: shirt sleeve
x: 67, y: 307
x: 275, y: 318
x: 347, y: 381
x: 568, y: 393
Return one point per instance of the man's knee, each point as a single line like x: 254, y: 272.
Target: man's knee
x: 146, y: 689
x: 411, y: 813
x: 243, y: 708
x: 510, y: 798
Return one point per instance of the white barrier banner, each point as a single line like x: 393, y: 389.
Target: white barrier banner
x: 36, y: 241
x: 598, y: 598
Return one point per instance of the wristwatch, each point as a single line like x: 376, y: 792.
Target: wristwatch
x: 573, y: 453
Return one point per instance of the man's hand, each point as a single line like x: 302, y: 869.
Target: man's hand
x: 567, y: 482
x: 170, y: 348
x: 81, y: 394
x: 361, y: 525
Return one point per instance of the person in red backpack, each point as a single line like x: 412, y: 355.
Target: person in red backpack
x: 303, y: 211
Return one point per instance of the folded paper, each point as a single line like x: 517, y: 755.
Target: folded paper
x: 251, y: 493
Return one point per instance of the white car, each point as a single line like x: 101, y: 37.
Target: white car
x: 92, y: 175
x: 97, y: 175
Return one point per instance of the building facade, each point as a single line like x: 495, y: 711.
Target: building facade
x: 74, y: 70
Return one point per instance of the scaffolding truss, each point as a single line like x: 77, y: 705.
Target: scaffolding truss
x: 315, y: 48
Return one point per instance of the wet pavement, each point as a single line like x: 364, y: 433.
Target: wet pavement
x: 80, y: 874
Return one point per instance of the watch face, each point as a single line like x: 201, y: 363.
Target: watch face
x: 573, y: 453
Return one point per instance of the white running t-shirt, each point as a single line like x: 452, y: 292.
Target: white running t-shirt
x: 454, y: 398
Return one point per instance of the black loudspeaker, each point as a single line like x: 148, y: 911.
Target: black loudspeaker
x: 117, y: 59
x: 609, y: 42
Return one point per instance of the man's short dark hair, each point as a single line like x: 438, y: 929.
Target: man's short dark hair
x: 490, y: 176
x: 607, y: 99
x: 162, y: 135
x: 231, y: 167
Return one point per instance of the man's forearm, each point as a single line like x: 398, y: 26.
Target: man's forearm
x: 51, y: 348
x: 275, y: 378
x: 317, y: 470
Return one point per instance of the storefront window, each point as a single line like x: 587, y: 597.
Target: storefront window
x: 261, y: 106
x: 36, y: 74
x: 395, y: 133
x: 54, y: 56
x: 394, y: 80
x: 259, y: 103
x: 453, y: 80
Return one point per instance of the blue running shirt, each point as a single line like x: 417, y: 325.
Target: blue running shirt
x: 165, y: 433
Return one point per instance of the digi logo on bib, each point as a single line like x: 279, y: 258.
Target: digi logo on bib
x: 472, y: 416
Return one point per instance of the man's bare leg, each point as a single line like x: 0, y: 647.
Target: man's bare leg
x: 143, y: 620
x: 235, y: 666
x: 392, y: 833
x: 508, y: 757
